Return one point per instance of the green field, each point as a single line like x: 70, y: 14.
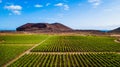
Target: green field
x: 13, y: 45
x: 68, y: 60
x: 49, y: 52
x: 22, y: 39
x: 78, y: 44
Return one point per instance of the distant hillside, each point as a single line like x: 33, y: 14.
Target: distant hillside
x: 44, y: 27
x: 117, y: 30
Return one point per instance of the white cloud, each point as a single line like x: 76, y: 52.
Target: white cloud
x: 59, y: 4
x: 65, y: 6
x: 16, y: 12
x: 0, y: 1
x: 95, y: 3
x: 47, y: 4
x: 15, y: 9
x: 38, y: 5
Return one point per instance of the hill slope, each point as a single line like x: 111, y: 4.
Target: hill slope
x: 44, y: 27
x: 117, y: 30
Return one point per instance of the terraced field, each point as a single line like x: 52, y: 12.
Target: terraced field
x: 62, y: 51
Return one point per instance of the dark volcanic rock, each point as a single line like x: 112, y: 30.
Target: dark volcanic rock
x: 116, y: 30
x: 44, y: 27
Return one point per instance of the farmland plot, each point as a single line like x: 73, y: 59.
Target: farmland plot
x: 10, y: 51
x: 78, y: 44
x: 22, y: 39
x: 68, y: 60
x: 14, y: 45
x: 64, y: 51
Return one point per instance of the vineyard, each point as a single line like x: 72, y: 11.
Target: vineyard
x: 59, y: 51
x: 68, y: 60
x: 78, y: 44
x: 22, y: 39
x: 13, y: 45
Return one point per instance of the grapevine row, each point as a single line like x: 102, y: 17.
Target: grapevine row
x: 78, y: 44
x: 68, y: 60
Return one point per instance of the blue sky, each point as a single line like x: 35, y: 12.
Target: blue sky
x: 77, y: 14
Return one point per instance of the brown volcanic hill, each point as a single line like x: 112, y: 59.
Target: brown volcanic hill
x: 117, y: 30
x: 44, y: 27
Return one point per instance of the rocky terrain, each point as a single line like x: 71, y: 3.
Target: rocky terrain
x: 54, y: 28
x: 44, y: 27
x: 117, y: 30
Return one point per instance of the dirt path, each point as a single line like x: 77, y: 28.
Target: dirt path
x: 117, y: 41
x: 26, y: 52
x: 70, y: 52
